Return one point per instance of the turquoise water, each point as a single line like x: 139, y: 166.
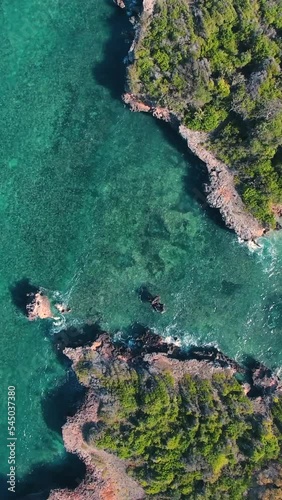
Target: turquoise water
x: 96, y: 201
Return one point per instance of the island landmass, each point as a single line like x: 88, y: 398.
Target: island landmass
x: 159, y: 422
x: 213, y: 70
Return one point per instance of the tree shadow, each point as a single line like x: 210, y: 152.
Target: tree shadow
x: 58, y: 404
x: 196, y: 176
x: 20, y: 292
x: 89, y: 428
x: 38, y: 483
x: 111, y: 72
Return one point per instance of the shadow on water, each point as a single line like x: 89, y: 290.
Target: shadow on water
x: 253, y: 364
x: 57, y: 405
x: 144, y: 294
x: 133, y: 332
x: 44, y: 477
x: 110, y: 73
x: 20, y: 292
x: 4, y: 488
x: 74, y: 337
x: 196, y: 176
x: 64, y: 400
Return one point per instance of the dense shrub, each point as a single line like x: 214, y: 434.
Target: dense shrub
x: 188, y: 438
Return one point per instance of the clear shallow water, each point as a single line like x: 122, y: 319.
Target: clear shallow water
x: 96, y: 201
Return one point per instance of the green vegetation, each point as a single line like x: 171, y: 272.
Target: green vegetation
x: 217, y: 64
x: 188, y: 438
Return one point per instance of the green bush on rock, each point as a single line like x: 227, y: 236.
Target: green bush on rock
x: 187, y: 437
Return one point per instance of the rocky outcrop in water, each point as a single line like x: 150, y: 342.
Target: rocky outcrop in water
x: 120, y: 3
x: 220, y: 190
x: 38, y: 306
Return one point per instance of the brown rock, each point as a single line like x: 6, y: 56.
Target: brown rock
x: 96, y: 345
x: 135, y: 104
x: 62, y: 308
x: 39, y: 307
x: 120, y: 3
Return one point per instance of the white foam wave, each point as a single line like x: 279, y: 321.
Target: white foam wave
x: 65, y: 322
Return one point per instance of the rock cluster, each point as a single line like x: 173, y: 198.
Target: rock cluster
x: 38, y: 306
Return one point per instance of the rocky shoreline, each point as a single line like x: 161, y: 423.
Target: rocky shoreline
x: 220, y: 191
x: 106, y: 475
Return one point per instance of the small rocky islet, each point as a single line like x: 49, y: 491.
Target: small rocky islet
x: 39, y: 306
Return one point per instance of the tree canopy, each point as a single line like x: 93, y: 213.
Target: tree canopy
x: 185, y: 437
